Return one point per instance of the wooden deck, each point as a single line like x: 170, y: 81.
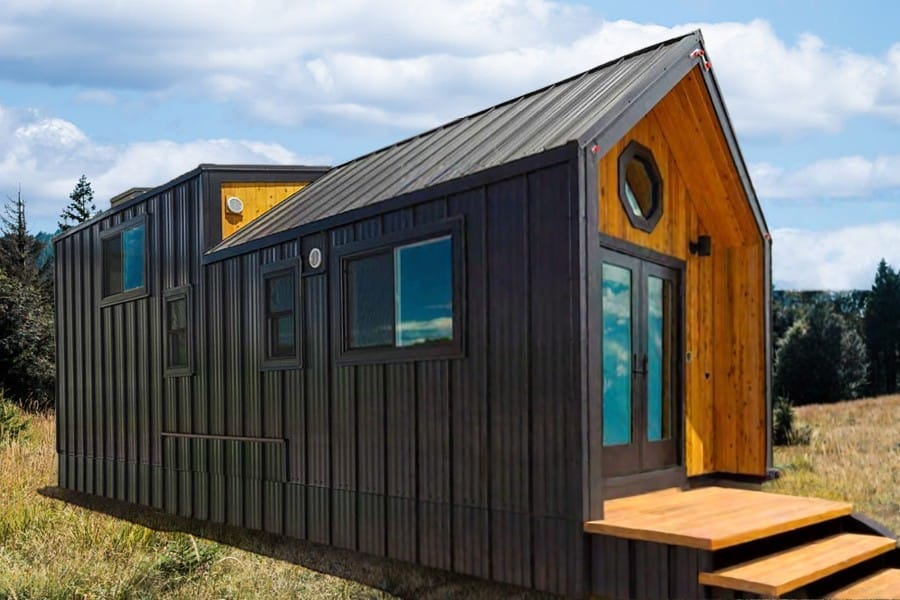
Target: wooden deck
x: 711, y: 518
x: 884, y: 584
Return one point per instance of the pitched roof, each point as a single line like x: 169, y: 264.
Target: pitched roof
x: 541, y: 120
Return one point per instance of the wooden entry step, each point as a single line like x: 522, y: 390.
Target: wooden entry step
x: 783, y: 572
x: 883, y: 584
x: 711, y: 518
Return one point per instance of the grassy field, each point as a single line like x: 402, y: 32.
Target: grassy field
x: 49, y: 549
x: 854, y: 455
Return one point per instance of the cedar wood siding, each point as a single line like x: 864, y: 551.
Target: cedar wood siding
x: 468, y: 464
x: 726, y: 400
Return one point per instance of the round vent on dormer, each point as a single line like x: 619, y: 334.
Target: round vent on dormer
x: 234, y: 205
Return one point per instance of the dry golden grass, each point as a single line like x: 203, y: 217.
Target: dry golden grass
x: 49, y: 549
x: 854, y: 456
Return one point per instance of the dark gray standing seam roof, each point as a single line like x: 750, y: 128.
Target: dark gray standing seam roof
x: 527, y: 125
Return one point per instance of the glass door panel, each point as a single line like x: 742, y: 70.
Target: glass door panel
x: 640, y: 318
x: 617, y: 359
x: 659, y: 358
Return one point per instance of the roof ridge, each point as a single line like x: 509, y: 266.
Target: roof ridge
x: 520, y: 97
x: 346, y: 173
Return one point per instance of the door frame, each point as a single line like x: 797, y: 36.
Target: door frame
x: 610, y: 487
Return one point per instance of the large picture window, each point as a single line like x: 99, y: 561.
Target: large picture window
x: 123, y: 251
x: 280, y: 327
x: 177, y: 314
x: 402, y: 299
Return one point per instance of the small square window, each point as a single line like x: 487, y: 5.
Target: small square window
x: 280, y: 329
x: 400, y: 299
x: 123, y: 252
x: 177, y: 314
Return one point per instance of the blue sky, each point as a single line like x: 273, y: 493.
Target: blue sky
x: 134, y: 93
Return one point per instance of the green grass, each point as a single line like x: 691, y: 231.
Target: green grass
x: 853, y: 455
x: 50, y: 549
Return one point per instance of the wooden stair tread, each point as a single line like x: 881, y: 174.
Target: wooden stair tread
x: 785, y: 571
x: 883, y: 584
x: 711, y: 518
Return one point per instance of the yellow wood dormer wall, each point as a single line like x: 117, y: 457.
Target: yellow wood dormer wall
x: 257, y: 198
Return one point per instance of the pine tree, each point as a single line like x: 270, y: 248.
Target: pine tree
x: 20, y: 251
x: 881, y: 330
x: 820, y: 359
x: 81, y: 208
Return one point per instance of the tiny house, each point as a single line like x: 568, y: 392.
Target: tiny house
x: 485, y: 349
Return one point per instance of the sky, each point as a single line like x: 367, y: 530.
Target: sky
x: 133, y: 93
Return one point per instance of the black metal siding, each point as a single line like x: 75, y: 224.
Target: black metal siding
x: 465, y: 464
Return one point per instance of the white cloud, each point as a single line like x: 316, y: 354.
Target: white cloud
x: 839, y: 259
x: 381, y: 62
x: 103, y: 97
x: 47, y: 155
x: 843, y: 177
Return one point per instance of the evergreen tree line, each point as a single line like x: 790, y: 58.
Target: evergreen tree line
x: 832, y: 346
x: 27, y: 337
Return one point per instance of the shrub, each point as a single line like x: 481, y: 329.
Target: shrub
x: 820, y: 359
x: 785, y: 431
x: 14, y: 424
x: 185, y: 558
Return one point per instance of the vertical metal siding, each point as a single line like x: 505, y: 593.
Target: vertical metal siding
x: 317, y: 394
x: 461, y: 464
x: 508, y: 391
x: 371, y: 458
x: 295, y: 422
x: 249, y: 328
x: 318, y: 422
x: 401, y: 434
x: 469, y: 405
x: 433, y: 449
x: 215, y: 336
x: 343, y: 452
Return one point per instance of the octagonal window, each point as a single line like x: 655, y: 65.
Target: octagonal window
x: 640, y: 186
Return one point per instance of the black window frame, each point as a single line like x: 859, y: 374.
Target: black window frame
x: 636, y: 151
x: 173, y: 294
x: 268, y: 271
x: 107, y: 298
x: 344, y: 254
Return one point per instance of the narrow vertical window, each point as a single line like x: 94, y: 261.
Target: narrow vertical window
x: 280, y: 329
x: 177, y: 314
x: 123, y: 251
x: 370, y: 283
x: 424, y: 292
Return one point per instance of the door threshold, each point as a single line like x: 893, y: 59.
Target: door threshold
x: 642, y: 483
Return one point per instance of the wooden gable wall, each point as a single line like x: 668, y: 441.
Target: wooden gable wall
x: 725, y: 395
x: 258, y: 197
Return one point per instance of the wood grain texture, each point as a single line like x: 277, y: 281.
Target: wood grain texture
x: 883, y: 584
x: 725, y: 396
x: 258, y: 197
x: 711, y: 518
x: 789, y: 570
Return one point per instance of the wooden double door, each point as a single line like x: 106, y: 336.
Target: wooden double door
x: 641, y: 316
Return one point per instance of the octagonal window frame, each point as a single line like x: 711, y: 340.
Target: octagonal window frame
x: 637, y: 151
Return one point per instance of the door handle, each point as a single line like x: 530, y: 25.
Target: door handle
x: 640, y: 367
